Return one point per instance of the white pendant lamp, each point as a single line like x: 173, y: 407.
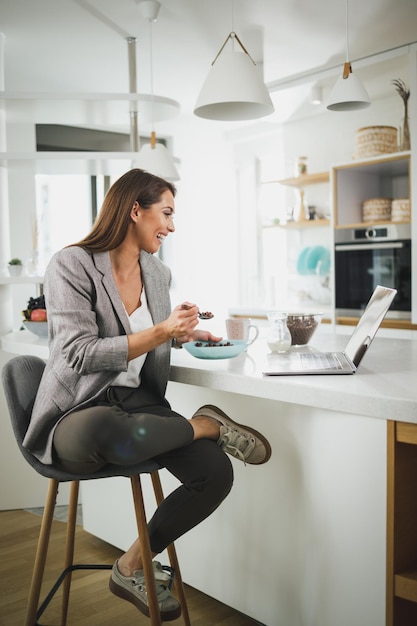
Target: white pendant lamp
x: 234, y: 89
x: 153, y: 156
x: 348, y: 94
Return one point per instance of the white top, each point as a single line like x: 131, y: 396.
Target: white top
x: 139, y: 320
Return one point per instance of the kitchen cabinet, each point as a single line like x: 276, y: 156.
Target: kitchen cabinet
x: 401, y: 596
x: 386, y: 176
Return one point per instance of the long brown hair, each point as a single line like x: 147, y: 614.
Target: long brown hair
x: 110, y: 227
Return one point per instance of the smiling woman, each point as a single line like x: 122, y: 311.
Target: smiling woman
x: 111, y: 329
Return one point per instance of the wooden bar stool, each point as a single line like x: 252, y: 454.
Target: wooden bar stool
x: 21, y: 377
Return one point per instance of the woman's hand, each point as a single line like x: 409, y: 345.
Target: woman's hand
x: 204, y: 335
x: 188, y: 314
x: 182, y: 321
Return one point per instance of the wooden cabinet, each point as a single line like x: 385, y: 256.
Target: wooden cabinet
x: 401, y: 596
x: 386, y: 176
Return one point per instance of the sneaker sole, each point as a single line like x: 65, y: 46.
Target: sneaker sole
x: 258, y: 435
x: 123, y: 593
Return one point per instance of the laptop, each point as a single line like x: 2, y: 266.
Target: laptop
x: 301, y: 362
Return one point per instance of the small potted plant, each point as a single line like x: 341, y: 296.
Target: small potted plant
x: 15, y: 267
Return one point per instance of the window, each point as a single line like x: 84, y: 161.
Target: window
x: 66, y: 206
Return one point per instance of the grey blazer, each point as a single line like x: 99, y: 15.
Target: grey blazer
x: 88, y: 328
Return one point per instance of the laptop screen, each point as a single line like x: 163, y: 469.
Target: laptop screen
x: 369, y: 323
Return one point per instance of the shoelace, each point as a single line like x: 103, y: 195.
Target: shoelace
x: 237, y: 444
x: 161, y: 579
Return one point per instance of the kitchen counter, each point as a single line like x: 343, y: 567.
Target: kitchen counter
x: 301, y: 540
x: 383, y: 387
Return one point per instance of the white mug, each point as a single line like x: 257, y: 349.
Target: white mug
x: 240, y: 328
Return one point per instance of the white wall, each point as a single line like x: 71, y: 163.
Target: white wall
x: 328, y: 138
x: 202, y: 253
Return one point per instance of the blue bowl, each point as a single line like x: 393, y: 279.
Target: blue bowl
x: 210, y: 350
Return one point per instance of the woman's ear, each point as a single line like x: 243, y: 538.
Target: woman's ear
x: 134, y: 213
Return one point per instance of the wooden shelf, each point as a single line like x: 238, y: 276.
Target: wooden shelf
x: 386, y: 323
x: 303, y: 180
x: 385, y: 176
x: 401, y: 607
x: 369, y: 224
x: 21, y: 280
x: 406, y: 433
x: 405, y: 585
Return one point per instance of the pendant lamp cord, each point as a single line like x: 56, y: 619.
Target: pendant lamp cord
x: 347, y: 67
x: 232, y: 35
x: 153, y: 136
x: 347, y: 31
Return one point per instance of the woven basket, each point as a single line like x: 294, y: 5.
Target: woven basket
x: 401, y: 210
x: 374, y: 140
x: 376, y: 209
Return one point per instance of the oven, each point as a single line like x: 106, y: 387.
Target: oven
x: 367, y: 257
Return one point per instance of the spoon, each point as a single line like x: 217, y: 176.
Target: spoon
x: 206, y: 315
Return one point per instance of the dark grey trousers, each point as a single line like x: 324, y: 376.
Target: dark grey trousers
x: 126, y: 426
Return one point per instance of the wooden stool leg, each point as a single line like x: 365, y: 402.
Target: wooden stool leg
x: 145, y: 548
x: 172, y: 554
x: 69, y: 548
x: 41, y: 553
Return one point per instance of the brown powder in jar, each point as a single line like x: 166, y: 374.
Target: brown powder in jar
x: 301, y: 328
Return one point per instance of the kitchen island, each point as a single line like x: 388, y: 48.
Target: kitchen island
x: 301, y: 540
x: 324, y: 532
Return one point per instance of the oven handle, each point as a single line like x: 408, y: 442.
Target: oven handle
x: 368, y: 246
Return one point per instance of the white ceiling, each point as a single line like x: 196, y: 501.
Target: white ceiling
x: 80, y: 45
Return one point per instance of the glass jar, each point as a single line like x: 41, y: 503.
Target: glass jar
x: 278, y: 337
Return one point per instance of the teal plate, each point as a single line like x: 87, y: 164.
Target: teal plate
x: 302, y: 260
x: 315, y: 254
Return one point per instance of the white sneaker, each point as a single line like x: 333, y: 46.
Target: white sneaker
x: 242, y: 442
x: 133, y: 589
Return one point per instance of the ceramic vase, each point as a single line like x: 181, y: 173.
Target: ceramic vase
x: 405, y: 131
x: 15, y: 270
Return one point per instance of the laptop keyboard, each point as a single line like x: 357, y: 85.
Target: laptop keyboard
x: 320, y: 361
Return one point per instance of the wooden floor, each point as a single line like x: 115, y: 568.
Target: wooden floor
x: 91, y: 603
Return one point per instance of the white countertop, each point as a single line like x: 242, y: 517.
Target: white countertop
x: 385, y: 385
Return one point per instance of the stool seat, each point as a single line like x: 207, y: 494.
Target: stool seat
x: 21, y: 376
